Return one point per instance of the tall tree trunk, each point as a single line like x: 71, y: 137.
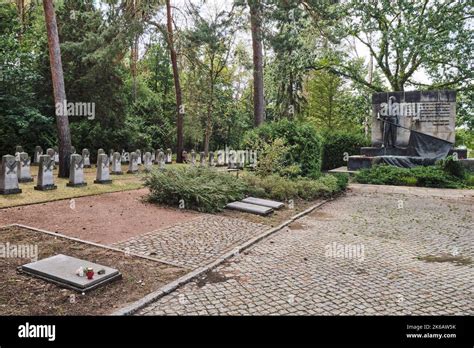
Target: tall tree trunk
x: 177, y: 86
x: 370, y: 79
x: 62, y: 120
x: 20, y: 5
x: 210, y: 109
x: 256, y: 28
x: 133, y: 66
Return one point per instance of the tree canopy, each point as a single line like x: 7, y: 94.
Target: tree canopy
x: 318, y: 62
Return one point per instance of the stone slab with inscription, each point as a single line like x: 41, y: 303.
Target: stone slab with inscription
x: 428, y: 112
x: 61, y: 269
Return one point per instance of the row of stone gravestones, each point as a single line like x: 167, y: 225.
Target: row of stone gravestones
x: 233, y: 161
x: 125, y: 156
x: 134, y: 160
x: 16, y: 169
x: 76, y: 173
x: 52, y: 152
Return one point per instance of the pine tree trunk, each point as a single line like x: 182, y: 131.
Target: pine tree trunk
x: 177, y: 87
x: 370, y: 79
x: 133, y: 66
x: 256, y: 28
x: 20, y: 5
x: 210, y: 109
x: 62, y: 121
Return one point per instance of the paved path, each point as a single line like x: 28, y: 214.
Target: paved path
x: 196, y: 242
x: 370, y: 252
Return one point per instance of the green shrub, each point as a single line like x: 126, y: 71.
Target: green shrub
x: 271, y: 186
x: 325, y: 186
x: 382, y: 175
x: 431, y: 176
x: 435, y: 177
x: 280, y: 188
x: 291, y: 171
x: 409, y: 181
x: 200, y: 189
x: 469, y: 180
x: 301, y: 139
x: 208, y: 190
x: 452, y: 167
x: 342, y: 180
x: 465, y: 138
x: 272, y: 158
x: 337, y: 144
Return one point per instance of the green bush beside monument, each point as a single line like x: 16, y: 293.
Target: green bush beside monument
x: 447, y: 173
x: 337, y: 144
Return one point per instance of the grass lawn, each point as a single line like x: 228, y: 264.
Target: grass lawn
x: 30, y: 196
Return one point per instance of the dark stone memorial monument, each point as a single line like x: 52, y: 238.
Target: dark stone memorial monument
x: 410, y: 129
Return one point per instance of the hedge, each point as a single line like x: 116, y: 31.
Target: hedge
x: 337, y: 144
x: 303, y: 141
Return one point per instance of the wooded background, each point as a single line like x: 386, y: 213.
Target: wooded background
x: 224, y: 67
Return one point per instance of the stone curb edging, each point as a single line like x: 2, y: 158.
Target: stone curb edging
x: 170, y: 287
x: 94, y: 244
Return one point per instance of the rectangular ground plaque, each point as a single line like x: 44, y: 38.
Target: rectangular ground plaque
x: 61, y: 269
x: 249, y: 208
x: 264, y: 202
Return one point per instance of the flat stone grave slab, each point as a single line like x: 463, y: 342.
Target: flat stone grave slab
x: 61, y: 269
x: 250, y: 208
x: 264, y: 202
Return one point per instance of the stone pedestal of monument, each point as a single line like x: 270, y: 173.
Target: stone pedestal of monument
x: 359, y: 162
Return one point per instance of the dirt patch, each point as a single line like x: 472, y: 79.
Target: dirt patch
x: 296, y: 226
x: 21, y: 294
x: 321, y: 215
x: 210, y: 278
x: 105, y: 219
x: 457, y: 260
x: 277, y: 217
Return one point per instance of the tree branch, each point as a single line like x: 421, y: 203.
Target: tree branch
x: 353, y: 77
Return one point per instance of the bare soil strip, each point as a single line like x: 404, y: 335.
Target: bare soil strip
x: 21, y: 294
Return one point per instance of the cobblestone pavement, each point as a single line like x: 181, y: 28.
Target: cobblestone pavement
x: 194, y: 243
x: 404, y: 254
